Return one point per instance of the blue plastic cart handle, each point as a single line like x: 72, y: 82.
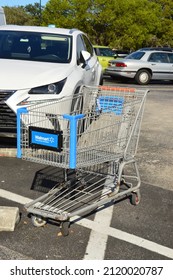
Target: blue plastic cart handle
x: 20, y: 111
x: 73, y: 138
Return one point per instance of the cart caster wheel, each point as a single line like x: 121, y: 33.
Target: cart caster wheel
x: 64, y: 228
x: 38, y: 221
x: 135, y: 198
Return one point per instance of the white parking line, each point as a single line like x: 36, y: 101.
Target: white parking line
x: 98, y: 241
x: 14, y: 197
x: 103, y: 230
x: 130, y: 238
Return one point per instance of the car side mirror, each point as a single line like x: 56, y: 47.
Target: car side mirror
x: 84, y: 57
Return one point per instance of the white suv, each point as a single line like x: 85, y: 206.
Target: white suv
x: 42, y: 63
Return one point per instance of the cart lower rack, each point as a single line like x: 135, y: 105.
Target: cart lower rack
x: 95, y: 134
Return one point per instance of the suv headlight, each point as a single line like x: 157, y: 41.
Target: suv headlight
x: 54, y: 88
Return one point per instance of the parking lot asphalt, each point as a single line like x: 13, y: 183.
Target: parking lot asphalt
x: 151, y: 220
x: 135, y: 232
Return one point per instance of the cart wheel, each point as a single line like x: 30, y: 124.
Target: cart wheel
x: 135, y: 198
x: 38, y: 221
x: 64, y: 228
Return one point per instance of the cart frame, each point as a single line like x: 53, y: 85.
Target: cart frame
x: 99, y: 140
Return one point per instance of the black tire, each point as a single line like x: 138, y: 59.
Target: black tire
x: 64, y: 228
x: 101, y: 80
x: 113, y: 77
x: 135, y: 198
x: 54, y: 121
x: 77, y: 107
x: 143, y: 77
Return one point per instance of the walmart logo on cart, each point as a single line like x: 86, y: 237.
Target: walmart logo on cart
x: 45, y: 139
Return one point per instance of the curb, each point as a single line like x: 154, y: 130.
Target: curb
x: 8, y: 152
x: 9, y: 218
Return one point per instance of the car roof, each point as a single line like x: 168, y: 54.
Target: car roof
x: 153, y: 51
x: 156, y: 49
x: 55, y: 30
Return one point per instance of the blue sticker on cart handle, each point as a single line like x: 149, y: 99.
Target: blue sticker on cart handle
x: 45, y: 138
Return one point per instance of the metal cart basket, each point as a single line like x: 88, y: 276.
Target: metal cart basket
x: 94, y: 134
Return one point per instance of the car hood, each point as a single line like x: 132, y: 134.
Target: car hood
x: 16, y: 75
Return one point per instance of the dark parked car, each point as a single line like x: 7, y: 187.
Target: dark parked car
x: 120, y: 53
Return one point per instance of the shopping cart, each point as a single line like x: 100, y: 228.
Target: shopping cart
x: 96, y: 139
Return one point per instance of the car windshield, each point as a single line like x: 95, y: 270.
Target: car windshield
x: 135, y: 55
x: 106, y: 52
x: 35, y: 46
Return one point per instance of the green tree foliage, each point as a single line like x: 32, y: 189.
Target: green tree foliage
x: 23, y: 15
x: 128, y: 24
x: 58, y: 13
x: 165, y: 35
x: 17, y: 15
x: 136, y: 23
x: 34, y: 11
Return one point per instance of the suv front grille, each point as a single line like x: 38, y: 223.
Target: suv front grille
x: 8, y: 122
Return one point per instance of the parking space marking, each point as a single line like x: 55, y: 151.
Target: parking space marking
x: 97, y: 239
x: 14, y: 197
x: 103, y: 229
x: 130, y: 238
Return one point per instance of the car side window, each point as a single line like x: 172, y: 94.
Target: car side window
x: 80, y: 47
x: 88, y: 46
x: 170, y: 55
x: 136, y: 55
x: 97, y: 51
x: 159, y: 57
x: 83, y: 44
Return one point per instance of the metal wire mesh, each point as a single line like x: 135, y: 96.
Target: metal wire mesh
x: 108, y: 130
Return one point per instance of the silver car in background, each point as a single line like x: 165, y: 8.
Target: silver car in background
x: 143, y: 66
